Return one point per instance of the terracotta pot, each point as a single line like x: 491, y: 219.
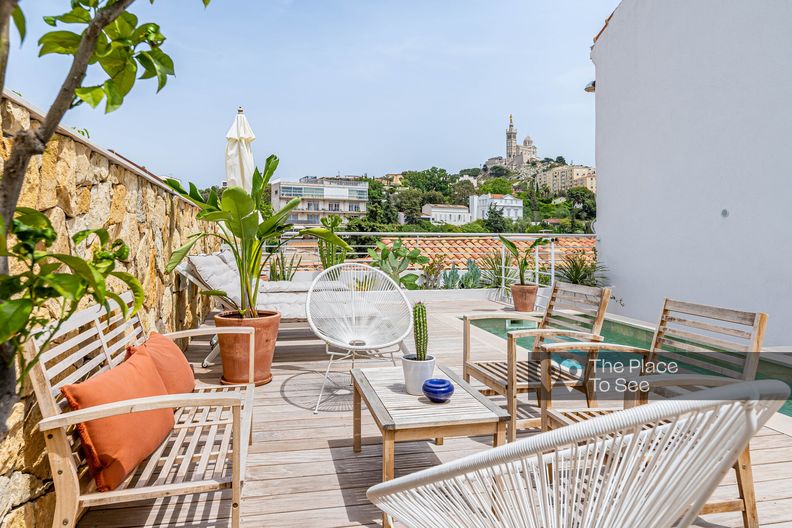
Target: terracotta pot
x: 234, y: 347
x: 524, y: 296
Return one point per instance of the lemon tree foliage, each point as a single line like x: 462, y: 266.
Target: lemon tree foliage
x: 105, y: 36
x: 50, y: 279
x: 126, y: 50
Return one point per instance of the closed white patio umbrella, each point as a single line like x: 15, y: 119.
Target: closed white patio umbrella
x: 239, y: 153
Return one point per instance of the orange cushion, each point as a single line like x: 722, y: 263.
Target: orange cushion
x: 115, y: 445
x: 172, y: 366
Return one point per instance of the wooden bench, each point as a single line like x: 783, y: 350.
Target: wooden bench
x: 206, y: 451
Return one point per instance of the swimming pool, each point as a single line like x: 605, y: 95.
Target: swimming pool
x: 627, y: 334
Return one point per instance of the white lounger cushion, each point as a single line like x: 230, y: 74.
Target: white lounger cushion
x: 219, y: 272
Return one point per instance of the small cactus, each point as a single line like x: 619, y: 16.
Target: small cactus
x: 420, y: 331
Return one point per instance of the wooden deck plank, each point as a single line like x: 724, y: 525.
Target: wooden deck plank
x: 302, y: 471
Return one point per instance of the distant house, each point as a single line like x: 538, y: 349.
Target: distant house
x: 446, y: 214
x: 510, y: 206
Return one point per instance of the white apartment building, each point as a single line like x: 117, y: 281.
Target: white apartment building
x: 560, y: 179
x: 446, y: 214
x: 479, y: 206
x: 343, y: 196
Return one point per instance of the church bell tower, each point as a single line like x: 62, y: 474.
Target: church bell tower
x: 511, y: 140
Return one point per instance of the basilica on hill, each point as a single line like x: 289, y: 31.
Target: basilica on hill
x: 517, y: 156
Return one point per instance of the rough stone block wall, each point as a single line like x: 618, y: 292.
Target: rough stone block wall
x: 79, y: 186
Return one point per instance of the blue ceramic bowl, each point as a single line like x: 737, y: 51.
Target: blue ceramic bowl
x: 438, y: 390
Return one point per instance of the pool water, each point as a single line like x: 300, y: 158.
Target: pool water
x: 625, y: 334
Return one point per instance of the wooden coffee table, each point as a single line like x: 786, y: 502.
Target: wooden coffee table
x: 402, y: 417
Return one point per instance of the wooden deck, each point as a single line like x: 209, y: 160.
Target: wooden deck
x: 303, y: 473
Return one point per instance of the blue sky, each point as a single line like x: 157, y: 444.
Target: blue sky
x: 349, y: 86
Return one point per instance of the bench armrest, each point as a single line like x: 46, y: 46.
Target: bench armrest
x: 516, y: 316
x: 149, y: 403
x: 593, y: 347
x: 549, y: 332
x: 249, y: 330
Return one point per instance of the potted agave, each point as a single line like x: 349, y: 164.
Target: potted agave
x: 246, y: 224
x: 523, y: 295
x: 418, y: 367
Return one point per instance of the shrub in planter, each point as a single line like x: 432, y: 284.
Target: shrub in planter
x: 523, y: 294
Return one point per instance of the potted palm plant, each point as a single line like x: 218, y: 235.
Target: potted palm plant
x: 523, y: 294
x: 246, y: 224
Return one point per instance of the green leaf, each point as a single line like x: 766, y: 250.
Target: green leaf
x: 78, y: 15
x: 212, y: 200
x: 510, y: 246
x: 33, y: 218
x: 100, y: 233
x: 120, y: 302
x: 175, y: 185
x: 326, y: 235
x: 269, y: 168
x: 114, y: 96
x: 178, y: 255
x: 134, y: 285
x: 216, y: 293
x: 244, y: 218
x: 19, y: 21
x: 61, y: 42
x: 410, y: 281
x: 270, y: 224
x: 67, y: 285
x: 149, y: 32
x: 14, y: 315
x: 123, y: 27
x: 92, y: 95
x: 195, y: 194
x: 86, y: 271
x: 214, y: 216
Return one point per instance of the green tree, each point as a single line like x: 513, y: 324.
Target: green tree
x: 462, y: 190
x: 380, y: 209
x: 561, y: 160
x: 409, y: 202
x: 495, y: 221
x: 434, y: 179
x: 122, y: 50
x: 474, y: 172
x: 584, y: 198
x: 496, y: 186
x: 432, y: 197
x: 499, y: 171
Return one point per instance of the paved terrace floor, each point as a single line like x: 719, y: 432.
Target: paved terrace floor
x: 302, y: 471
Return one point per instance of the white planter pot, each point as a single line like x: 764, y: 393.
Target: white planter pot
x: 416, y: 372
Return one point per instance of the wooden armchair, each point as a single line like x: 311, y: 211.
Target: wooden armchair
x: 711, y: 347
x: 573, y: 312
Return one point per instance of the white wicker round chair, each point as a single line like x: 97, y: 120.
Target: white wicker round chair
x: 358, y: 311
x: 652, y: 466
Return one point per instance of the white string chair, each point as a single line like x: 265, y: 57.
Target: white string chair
x: 651, y: 466
x: 358, y: 311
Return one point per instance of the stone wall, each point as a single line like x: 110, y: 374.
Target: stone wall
x: 80, y: 185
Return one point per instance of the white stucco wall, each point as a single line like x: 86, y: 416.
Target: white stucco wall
x: 694, y: 116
